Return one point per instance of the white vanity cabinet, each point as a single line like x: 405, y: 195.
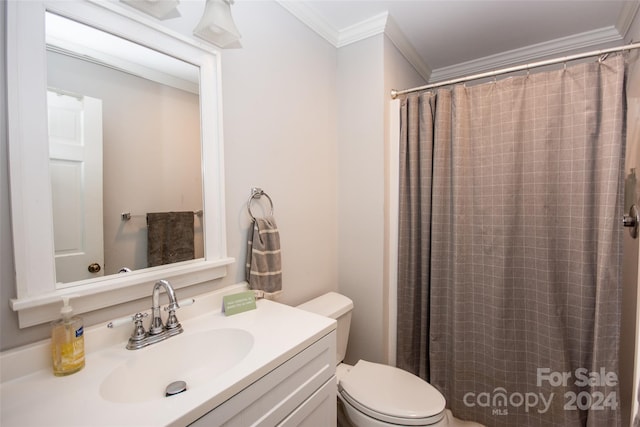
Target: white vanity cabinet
x: 299, y: 392
x: 272, y: 366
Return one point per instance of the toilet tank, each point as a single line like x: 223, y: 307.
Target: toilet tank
x: 338, y: 307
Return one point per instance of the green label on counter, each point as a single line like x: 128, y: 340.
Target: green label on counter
x: 238, y: 303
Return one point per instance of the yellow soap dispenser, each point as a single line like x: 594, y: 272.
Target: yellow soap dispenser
x: 67, y: 342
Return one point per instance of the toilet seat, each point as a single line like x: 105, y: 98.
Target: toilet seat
x: 391, y: 395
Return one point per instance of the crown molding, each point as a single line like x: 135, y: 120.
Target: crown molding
x: 400, y: 41
x: 378, y: 24
x: 383, y: 23
x: 363, y: 30
x: 311, y: 19
x: 526, y: 54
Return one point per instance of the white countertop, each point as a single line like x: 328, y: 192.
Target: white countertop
x: 41, y: 399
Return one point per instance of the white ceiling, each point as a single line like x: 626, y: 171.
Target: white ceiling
x: 449, y: 38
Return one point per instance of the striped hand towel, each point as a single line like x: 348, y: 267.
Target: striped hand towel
x: 264, y: 263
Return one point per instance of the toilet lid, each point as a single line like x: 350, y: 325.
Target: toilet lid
x: 391, y: 394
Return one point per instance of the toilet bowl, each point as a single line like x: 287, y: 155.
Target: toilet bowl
x: 373, y: 394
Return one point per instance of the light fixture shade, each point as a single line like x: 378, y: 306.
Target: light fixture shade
x: 159, y: 9
x: 216, y: 25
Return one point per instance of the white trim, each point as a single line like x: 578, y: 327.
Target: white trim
x: 308, y: 16
x: 394, y: 196
x: 635, y: 406
x: 115, y: 289
x: 533, y: 52
x: 378, y: 24
x: 521, y: 67
x: 407, y: 50
x: 63, y: 47
x: 363, y: 30
x: 85, y: 42
x: 384, y: 23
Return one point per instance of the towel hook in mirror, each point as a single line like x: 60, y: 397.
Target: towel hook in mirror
x: 257, y: 193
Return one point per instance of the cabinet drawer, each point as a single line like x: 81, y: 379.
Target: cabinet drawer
x: 273, y: 397
x: 319, y: 410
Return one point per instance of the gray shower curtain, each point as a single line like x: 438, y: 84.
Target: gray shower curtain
x: 510, y: 245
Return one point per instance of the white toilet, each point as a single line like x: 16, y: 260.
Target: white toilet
x: 374, y: 394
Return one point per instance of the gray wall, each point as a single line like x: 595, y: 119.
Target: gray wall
x: 361, y: 193
x: 367, y: 71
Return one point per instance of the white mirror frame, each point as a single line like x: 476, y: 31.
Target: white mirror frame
x: 38, y: 300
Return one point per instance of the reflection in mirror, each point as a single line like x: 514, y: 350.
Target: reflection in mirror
x: 124, y: 137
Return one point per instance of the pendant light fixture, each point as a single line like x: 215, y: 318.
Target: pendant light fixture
x: 216, y: 25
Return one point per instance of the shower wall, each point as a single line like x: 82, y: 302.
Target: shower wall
x: 629, y: 375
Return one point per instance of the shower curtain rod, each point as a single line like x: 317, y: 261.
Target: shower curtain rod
x: 395, y: 93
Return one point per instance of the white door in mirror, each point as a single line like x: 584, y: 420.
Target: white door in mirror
x: 75, y: 153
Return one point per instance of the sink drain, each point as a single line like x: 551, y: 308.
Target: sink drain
x: 175, y: 387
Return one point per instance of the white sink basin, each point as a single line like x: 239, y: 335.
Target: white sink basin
x: 194, y: 358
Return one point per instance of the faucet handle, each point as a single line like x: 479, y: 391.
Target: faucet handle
x: 172, y: 321
x: 125, y: 320
x: 138, y: 329
x: 138, y: 335
x: 180, y: 304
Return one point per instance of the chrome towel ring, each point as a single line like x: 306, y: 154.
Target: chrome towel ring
x: 257, y: 193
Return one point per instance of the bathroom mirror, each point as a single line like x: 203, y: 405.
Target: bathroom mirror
x: 38, y: 291
x: 124, y: 138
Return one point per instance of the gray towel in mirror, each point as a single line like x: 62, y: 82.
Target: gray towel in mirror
x: 169, y: 237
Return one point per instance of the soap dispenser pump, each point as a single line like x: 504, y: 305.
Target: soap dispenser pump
x: 67, y: 342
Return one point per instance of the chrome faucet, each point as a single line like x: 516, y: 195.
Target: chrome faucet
x: 156, y: 320
x: 158, y: 331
